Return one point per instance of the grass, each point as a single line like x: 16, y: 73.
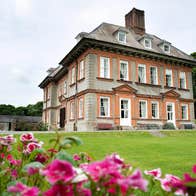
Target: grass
x: 174, y: 153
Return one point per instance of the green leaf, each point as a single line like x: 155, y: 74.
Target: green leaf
x: 74, y: 140
x: 63, y: 155
x: 33, y: 165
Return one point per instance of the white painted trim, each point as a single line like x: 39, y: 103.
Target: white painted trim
x: 156, y: 102
x: 146, y: 109
x: 102, y: 97
x: 129, y: 111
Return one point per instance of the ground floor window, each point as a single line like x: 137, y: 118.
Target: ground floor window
x: 81, y: 108
x: 143, y: 109
x: 155, y: 110
x: 184, y: 110
x: 72, y: 110
x: 104, y: 106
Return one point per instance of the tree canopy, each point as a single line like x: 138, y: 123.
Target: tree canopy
x: 29, y: 110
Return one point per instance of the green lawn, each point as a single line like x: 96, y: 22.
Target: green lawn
x: 175, y: 152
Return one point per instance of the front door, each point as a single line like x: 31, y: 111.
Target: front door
x: 170, y: 113
x: 125, y: 112
x: 62, y: 117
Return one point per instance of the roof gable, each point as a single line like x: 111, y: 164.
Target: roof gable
x: 125, y: 88
x: 171, y: 93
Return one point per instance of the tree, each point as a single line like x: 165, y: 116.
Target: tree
x: 7, y: 109
x: 30, y: 110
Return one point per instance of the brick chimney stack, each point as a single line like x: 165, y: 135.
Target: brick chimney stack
x: 135, y: 20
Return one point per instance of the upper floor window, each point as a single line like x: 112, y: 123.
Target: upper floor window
x: 155, y: 110
x: 143, y: 109
x: 184, y: 109
x: 81, y: 70
x: 168, y: 77
x: 142, y: 73
x: 147, y: 43
x: 47, y: 93
x: 166, y: 48
x: 124, y: 70
x: 73, y: 75
x: 81, y: 108
x: 104, y: 67
x: 65, y: 87
x: 122, y: 37
x: 182, y: 80
x: 153, y: 75
x: 104, y: 106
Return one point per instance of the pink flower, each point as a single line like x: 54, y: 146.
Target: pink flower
x: 9, y: 157
x: 134, y: 181
x: 32, y: 170
x: 171, y: 182
x: 155, y: 173
x: 194, y: 169
x: 41, y: 158
x: 7, y: 140
x: 14, y: 174
x: 15, y: 162
x: 188, y: 178
x: 76, y: 157
x: 32, y: 146
x: 58, y: 170
x: 27, y: 137
x: 23, y: 190
x: 109, y: 167
x: 60, y: 189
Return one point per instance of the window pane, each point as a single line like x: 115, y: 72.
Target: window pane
x: 141, y: 74
x: 153, y: 75
x: 104, y: 67
x: 123, y: 71
x: 104, y: 104
x: 142, y: 109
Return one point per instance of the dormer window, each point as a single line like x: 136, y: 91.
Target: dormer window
x: 122, y: 37
x: 166, y: 48
x: 147, y: 43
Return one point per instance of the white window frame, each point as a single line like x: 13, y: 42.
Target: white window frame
x: 72, y: 110
x: 168, y: 48
x: 169, y: 72
x: 127, y: 64
x: 143, y: 66
x: 156, y: 72
x: 186, y: 106
x: 149, y: 42
x: 81, y: 108
x: 124, y: 35
x: 157, y: 103
x: 108, y: 112
x: 81, y: 71
x: 146, y: 108
x: 183, y: 76
x: 73, y: 75
x: 173, y: 107
x: 102, y: 67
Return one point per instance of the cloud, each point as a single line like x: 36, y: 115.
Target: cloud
x: 20, y: 76
x: 23, y: 7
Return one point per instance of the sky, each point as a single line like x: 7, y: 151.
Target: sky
x: 36, y: 34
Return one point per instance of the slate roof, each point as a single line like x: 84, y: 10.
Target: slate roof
x: 105, y: 32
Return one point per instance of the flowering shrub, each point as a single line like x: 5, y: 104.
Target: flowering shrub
x: 50, y: 172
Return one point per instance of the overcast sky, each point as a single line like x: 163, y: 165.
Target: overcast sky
x: 37, y: 34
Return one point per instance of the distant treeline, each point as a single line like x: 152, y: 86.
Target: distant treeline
x: 29, y: 110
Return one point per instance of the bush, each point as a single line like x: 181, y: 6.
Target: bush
x: 42, y: 127
x: 169, y: 126
x: 38, y: 171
